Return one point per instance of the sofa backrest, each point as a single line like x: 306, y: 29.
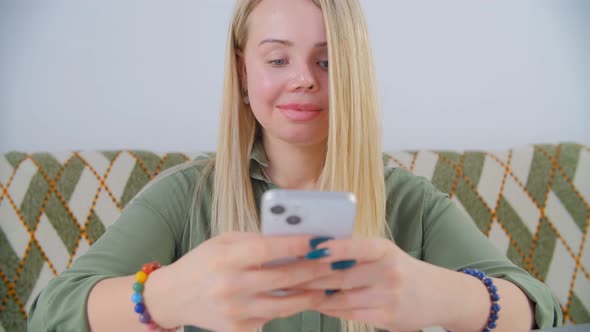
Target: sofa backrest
x: 531, y: 201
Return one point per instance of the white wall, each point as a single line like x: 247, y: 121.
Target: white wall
x: 147, y: 74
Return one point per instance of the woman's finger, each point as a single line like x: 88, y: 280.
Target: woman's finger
x: 284, y: 276
x: 255, y: 251
x: 358, y: 298
x: 269, y: 306
x: 360, y: 275
x: 361, y: 250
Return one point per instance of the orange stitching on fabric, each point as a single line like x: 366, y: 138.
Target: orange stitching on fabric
x: 458, y: 173
x: 579, y: 262
x: 397, y: 162
x: 14, y: 170
x: 33, y: 240
x: 100, y: 179
x: 573, y: 186
x: 468, y: 182
x: 21, y: 306
x: 69, y: 263
x: 544, y: 204
x: 518, y: 249
x: 141, y: 164
x: 512, y: 241
x: 549, y: 222
x: 413, y: 163
x: 9, y: 285
x: 161, y: 163
x: 104, y: 185
x: 495, y: 210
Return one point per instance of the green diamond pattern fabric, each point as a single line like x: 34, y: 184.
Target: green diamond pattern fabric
x: 532, y: 202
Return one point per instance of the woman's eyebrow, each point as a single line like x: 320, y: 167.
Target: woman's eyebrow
x: 287, y: 42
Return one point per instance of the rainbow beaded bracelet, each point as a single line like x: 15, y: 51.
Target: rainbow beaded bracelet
x: 137, y: 297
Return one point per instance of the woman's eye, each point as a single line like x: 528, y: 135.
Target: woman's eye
x: 323, y: 64
x: 278, y: 62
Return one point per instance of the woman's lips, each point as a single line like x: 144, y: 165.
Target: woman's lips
x: 300, y: 112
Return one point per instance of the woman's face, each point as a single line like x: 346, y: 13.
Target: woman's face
x: 286, y: 70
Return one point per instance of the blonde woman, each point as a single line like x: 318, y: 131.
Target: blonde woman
x: 300, y: 112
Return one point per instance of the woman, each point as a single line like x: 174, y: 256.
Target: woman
x: 299, y: 112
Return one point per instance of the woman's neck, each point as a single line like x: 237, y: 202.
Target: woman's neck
x: 293, y: 166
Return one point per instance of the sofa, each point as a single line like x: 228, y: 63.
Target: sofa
x: 531, y: 201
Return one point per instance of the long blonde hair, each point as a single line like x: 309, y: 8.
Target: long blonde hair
x: 353, y: 160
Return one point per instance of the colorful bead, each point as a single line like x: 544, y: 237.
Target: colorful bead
x: 147, y: 268
x: 141, y: 277
x: 138, y: 287
x: 139, y: 308
x: 145, y: 317
x: 495, y: 307
x: 137, y: 297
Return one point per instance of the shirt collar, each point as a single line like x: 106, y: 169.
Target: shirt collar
x: 258, y: 160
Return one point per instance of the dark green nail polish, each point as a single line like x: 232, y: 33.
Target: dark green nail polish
x: 317, y: 240
x: 343, y: 265
x: 331, y: 291
x: 318, y: 253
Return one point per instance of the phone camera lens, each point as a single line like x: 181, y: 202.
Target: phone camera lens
x: 277, y: 209
x: 293, y: 220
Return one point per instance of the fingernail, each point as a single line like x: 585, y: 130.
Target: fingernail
x: 317, y: 240
x: 318, y: 253
x: 331, y: 291
x: 343, y: 265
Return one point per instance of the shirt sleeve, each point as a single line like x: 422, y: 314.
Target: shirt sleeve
x: 148, y: 229
x: 453, y: 241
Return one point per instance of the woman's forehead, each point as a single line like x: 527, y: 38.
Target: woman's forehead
x: 297, y: 22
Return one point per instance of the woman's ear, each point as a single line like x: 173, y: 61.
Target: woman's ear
x: 241, y: 67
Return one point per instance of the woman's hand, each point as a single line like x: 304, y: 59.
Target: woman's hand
x: 385, y: 288
x: 221, y: 286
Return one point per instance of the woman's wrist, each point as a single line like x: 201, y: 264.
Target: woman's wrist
x: 454, y: 300
x: 161, y: 298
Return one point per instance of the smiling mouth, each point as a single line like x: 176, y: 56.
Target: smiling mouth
x: 298, y: 114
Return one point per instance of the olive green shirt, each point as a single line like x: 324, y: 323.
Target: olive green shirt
x: 155, y: 227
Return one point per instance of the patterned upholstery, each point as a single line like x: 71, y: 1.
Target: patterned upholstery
x: 531, y: 201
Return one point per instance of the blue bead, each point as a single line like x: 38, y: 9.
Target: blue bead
x: 492, y: 288
x: 139, y: 308
x: 488, y: 282
x: 492, y: 325
x: 487, y: 330
x: 494, y: 316
x: 480, y: 275
x: 495, y: 297
x: 495, y: 307
x: 136, y: 298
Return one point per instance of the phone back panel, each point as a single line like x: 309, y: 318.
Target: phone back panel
x: 319, y: 213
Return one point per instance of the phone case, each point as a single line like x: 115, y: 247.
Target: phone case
x: 297, y: 212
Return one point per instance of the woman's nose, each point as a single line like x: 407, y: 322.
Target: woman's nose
x: 304, y: 79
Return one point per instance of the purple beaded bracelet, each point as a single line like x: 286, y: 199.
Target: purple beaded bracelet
x: 494, y: 297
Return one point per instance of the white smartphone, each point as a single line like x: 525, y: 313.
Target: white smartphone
x: 297, y: 212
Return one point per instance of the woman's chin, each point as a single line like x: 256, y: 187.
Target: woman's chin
x: 302, y: 137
